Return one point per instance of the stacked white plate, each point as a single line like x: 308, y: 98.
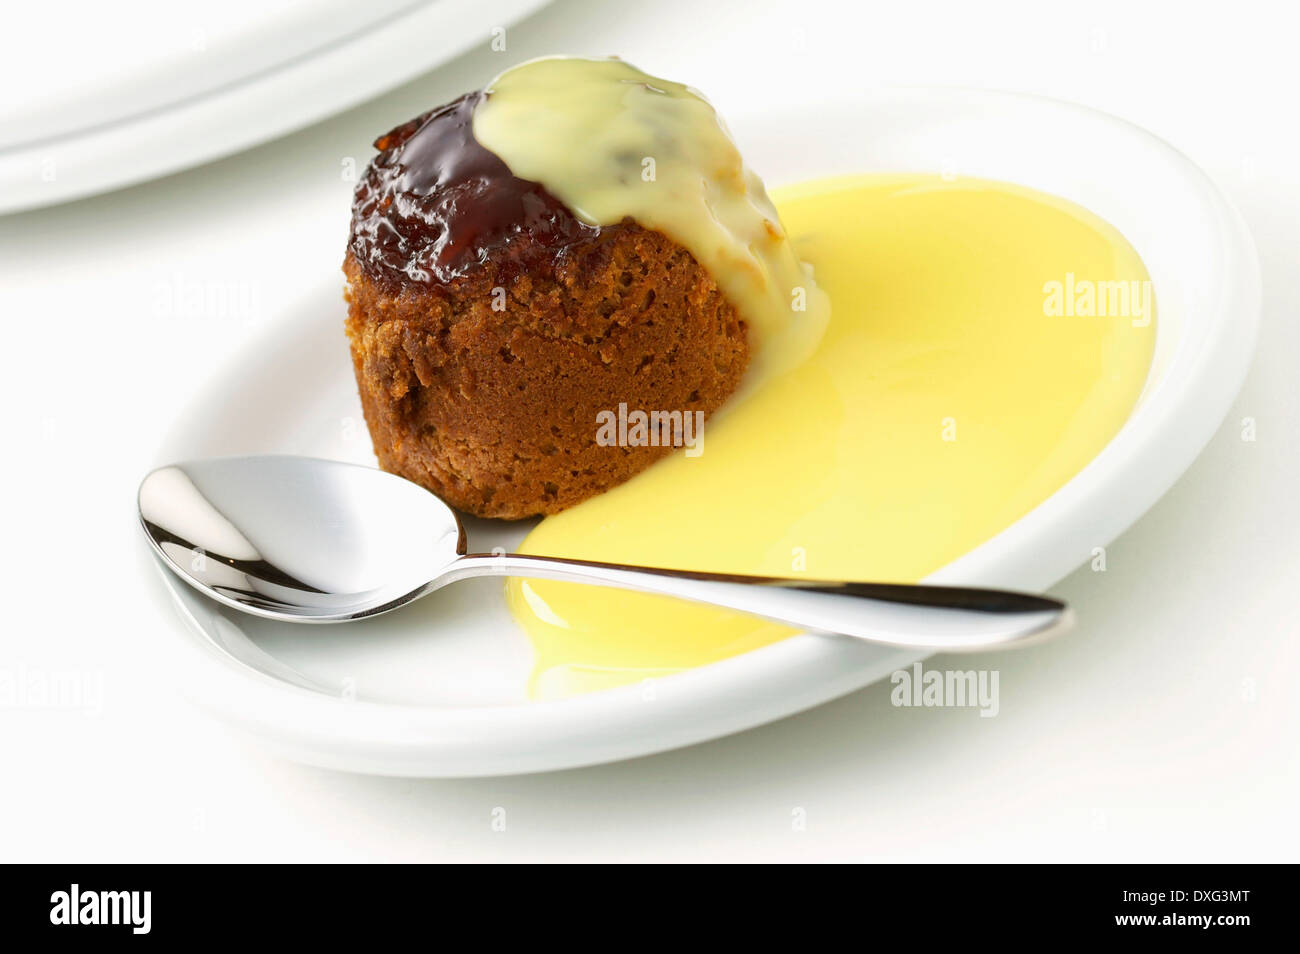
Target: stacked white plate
x: 97, y: 97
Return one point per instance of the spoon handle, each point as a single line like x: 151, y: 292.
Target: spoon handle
x: 940, y: 618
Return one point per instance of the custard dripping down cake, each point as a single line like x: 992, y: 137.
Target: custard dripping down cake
x: 576, y: 238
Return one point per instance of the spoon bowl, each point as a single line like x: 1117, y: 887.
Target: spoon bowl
x: 294, y: 538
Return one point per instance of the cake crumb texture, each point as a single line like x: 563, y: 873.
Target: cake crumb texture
x: 485, y: 389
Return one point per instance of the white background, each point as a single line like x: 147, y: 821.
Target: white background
x: 1165, y: 728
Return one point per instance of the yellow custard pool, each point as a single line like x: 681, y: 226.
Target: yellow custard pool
x: 985, y: 342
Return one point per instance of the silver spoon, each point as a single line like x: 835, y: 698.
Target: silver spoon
x: 317, y: 541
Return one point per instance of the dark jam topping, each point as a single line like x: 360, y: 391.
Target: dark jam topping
x: 434, y: 203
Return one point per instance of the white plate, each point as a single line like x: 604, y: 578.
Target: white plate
x: 438, y: 689
x: 168, y: 88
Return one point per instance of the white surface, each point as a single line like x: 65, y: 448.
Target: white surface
x: 117, y: 61
x: 1165, y: 728
x: 440, y: 689
x: 185, y: 86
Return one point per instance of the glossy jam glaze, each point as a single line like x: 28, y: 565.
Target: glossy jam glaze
x: 434, y: 203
